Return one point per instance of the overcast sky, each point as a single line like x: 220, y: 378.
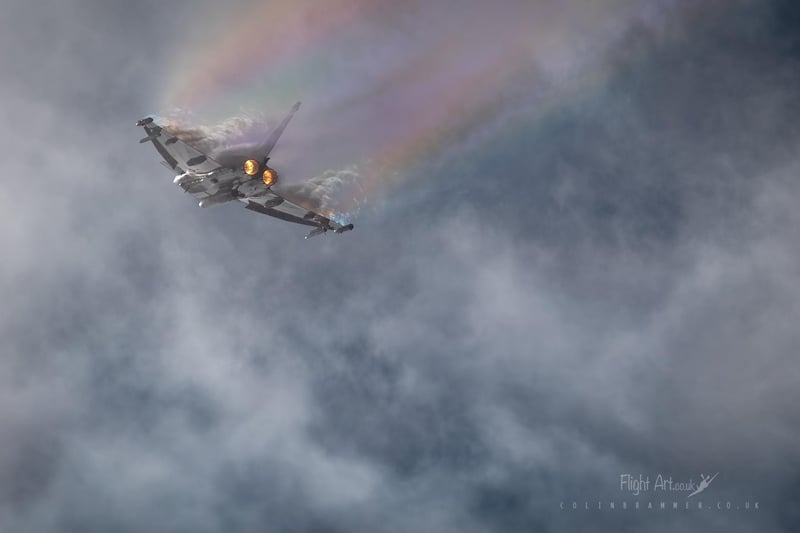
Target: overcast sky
x: 576, y: 255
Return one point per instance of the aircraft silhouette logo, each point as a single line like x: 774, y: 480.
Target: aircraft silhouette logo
x: 705, y: 481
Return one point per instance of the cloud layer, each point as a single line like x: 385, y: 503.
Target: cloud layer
x: 552, y: 297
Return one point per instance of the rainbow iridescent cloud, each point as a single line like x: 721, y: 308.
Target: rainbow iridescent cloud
x: 387, y: 85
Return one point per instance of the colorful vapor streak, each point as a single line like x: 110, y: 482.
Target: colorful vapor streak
x: 387, y: 86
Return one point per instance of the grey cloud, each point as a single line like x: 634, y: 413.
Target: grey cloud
x: 610, y: 287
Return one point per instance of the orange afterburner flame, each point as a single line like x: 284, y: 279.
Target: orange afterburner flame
x: 269, y: 177
x: 251, y: 167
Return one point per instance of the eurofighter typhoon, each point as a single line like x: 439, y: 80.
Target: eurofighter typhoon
x: 235, y: 174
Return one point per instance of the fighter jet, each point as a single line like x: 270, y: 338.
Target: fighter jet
x: 236, y: 175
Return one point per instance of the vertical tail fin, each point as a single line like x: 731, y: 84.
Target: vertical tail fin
x: 272, y: 140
